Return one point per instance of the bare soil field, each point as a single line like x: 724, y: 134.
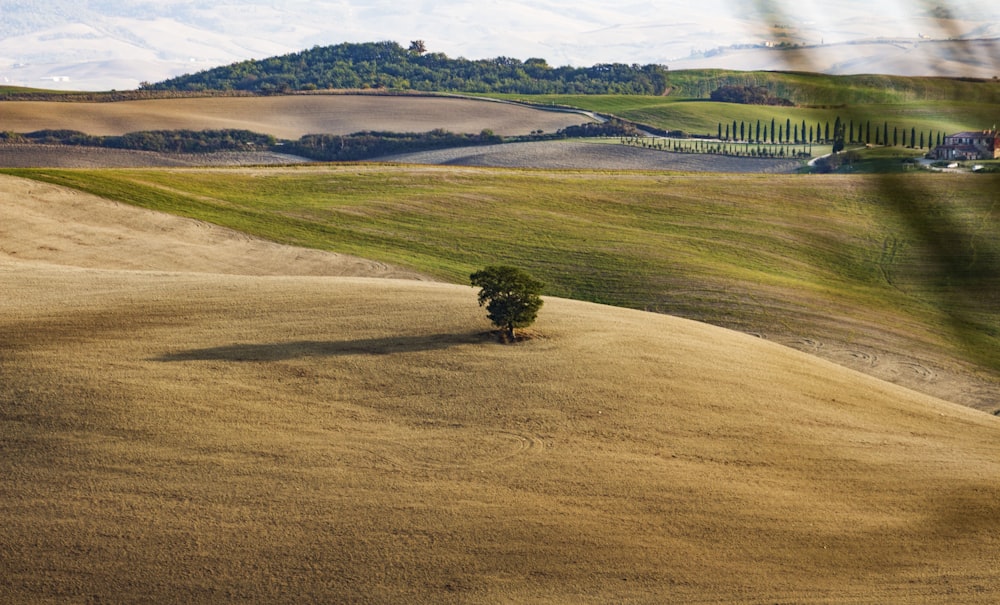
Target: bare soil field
x: 287, y: 117
x: 291, y: 117
x: 570, y: 154
x: 207, y: 429
x: 575, y: 154
x: 66, y: 156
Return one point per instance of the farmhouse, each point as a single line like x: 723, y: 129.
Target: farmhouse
x: 976, y: 145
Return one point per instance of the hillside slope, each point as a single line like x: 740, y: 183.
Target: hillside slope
x: 182, y: 436
x: 893, y: 276
x: 287, y: 117
x: 56, y: 225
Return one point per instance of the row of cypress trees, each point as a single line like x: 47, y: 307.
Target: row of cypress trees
x: 849, y: 132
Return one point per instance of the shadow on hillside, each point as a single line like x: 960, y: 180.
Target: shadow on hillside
x: 282, y: 351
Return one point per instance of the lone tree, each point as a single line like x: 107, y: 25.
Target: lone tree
x: 511, y: 296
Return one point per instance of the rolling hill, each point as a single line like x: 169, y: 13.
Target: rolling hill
x: 179, y: 434
x: 288, y: 117
x: 891, y: 275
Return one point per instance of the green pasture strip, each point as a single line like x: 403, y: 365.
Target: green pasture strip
x: 700, y: 116
x: 804, y: 88
x: 807, y: 88
x: 626, y: 238
x: 703, y: 117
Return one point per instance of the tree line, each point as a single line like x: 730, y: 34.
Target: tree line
x: 747, y: 95
x: 841, y: 132
x: 168, y: 141
x: 364, y: 145
x: 734, y: 149
x: 387, y: 65
x: 320, y: 147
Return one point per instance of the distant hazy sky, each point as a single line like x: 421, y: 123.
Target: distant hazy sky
x: 93, y: 38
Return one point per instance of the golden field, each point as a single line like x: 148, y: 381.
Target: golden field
x: 286, y: 117
x: 192, y: 415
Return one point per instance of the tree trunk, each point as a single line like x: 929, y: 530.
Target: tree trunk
x: 510, y: 332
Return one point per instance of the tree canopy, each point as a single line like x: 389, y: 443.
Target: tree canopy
x: 747, y: 95
x: 511, y: 296
x: 391, y: 66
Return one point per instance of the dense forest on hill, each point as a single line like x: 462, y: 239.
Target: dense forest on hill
x: 390, y: 66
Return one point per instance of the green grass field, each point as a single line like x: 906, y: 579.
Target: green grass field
x: 699, y: 116
x: 919, y: 250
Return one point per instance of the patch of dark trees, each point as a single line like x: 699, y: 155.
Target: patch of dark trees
x: 747, y: 95
x: 320, y: 147
x: 364, y: 145
x: 387, y: 65
x: 166, y: 141
x: 613, y: 127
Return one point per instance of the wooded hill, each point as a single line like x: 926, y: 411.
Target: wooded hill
x: 389, y: 65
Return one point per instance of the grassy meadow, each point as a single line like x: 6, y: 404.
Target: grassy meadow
x: 702, y: 117
x: 926, y: 104
x: 914, y: 257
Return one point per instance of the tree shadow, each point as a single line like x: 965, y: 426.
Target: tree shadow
x: 283, y: 351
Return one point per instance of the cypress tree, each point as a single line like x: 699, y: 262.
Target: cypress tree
x: 868, y: 133
x: 788, y: 129
x: 885, y: 132
x: 772, y: 130
x: 757, y: 137
x: 913, y: 137
x: 895, y: 137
